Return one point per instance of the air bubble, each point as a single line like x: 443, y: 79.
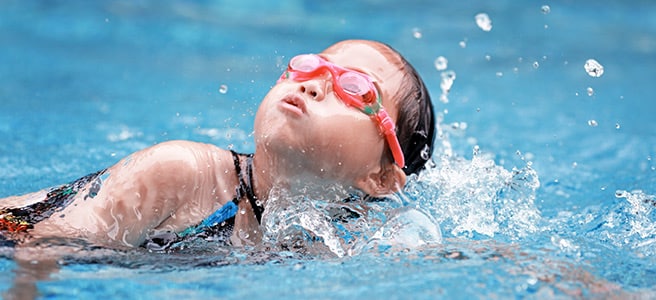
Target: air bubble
x: 223, y: 89
x: 483, y: 21
x: 441, y: 63
x: 590, y: 91
x: 536, y: 64
x: 545, y: 9
x: 593, y: 68
x: 592, y: 123
x: 617, y: 125
x: 463, y: 44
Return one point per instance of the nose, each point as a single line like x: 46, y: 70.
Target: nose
x: 313, y: 88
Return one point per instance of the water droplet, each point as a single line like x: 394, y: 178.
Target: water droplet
x: 617, y: 125
x: 243, y: 211
x: 592, y: 123
x: 447, y: 82
x: 488, y: 57
x: 425, y: 153
x: 499, y: 74
x: 441, y: 63
x: 416, y: 33
x: 545, y: 9
x: 593, y: 68
x: 483, y: 21
x: 223, y: 89
x: 536, y: 64
x: 590, y: 91
x: 462, y: 44
x: 574, y: 165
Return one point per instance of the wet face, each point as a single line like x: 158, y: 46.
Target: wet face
x: 306, y: 127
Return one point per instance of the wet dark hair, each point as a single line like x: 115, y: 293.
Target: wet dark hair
x: 415, y: 124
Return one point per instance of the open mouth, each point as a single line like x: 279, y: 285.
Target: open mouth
x: 293, y: 104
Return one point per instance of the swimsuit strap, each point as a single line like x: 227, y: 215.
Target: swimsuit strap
x: 258, y: 209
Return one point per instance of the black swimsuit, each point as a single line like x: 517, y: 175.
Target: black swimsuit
x: 14, y: 221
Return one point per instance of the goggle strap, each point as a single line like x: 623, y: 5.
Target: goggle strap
x: 387, y: 127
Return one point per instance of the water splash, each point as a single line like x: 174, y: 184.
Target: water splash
x: 294, y: 223
x: 634, y: 222
x: 349, y: 227
x: 476, y: 197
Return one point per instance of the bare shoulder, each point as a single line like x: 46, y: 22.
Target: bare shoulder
x: 175, y: 155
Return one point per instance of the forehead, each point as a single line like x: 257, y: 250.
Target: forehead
x: 383, y: 66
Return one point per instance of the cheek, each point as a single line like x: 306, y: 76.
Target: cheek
x: 351, y: 141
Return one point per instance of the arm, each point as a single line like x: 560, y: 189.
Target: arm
x: 177, y: 183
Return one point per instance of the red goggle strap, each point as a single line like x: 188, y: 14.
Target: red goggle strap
x: 388, y: 128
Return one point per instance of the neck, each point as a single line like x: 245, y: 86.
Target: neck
x: 272, y: 172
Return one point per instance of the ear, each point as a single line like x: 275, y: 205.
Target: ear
x: 386, y: 180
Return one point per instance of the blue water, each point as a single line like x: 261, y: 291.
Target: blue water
x: 544, y: 177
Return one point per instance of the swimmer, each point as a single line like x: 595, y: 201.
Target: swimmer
x: 357, y: 116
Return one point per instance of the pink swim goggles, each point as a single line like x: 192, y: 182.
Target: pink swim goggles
x: 354, y: 88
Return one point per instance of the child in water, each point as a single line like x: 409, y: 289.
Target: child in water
x: 355, y: 116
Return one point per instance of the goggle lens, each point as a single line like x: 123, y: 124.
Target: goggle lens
x: 305, y: 63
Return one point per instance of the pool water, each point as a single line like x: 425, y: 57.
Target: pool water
x: 544, y: 176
